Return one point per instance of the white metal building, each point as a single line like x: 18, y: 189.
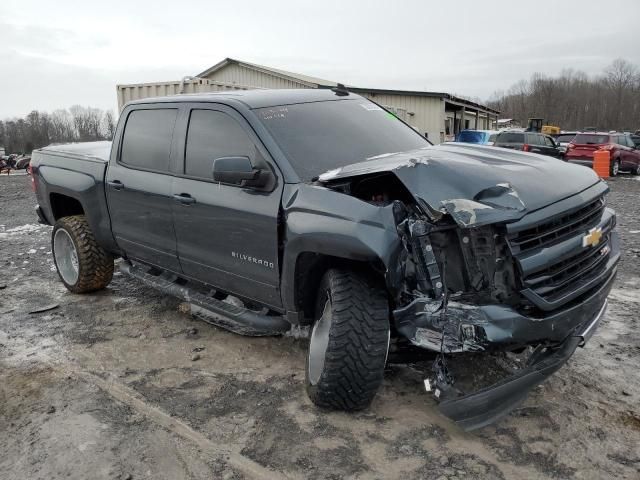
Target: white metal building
x: 437, y: 115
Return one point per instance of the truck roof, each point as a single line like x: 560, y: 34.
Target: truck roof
x: 258, y: 98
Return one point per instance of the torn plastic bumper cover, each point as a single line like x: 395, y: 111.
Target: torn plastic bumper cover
x: 496, y: 327
x: 487, y: 405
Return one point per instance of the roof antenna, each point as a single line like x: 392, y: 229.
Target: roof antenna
x: 340, y: 90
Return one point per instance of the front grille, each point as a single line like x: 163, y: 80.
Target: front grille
x: 558, y: 229
x: 566, y: 276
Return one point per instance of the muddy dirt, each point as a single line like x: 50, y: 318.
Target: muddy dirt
x: 106, y: 386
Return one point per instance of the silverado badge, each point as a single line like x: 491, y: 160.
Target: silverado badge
x: 592, y: 238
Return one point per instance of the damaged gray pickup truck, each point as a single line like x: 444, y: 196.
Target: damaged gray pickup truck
x: 269, y: 210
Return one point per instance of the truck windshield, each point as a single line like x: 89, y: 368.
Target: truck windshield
x: 321, y: 136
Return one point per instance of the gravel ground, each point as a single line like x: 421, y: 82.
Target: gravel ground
x: 105, y: 386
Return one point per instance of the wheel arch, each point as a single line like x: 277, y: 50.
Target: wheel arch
x: 309, y: 270
x: 64, y: 206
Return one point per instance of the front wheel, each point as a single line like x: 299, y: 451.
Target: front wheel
x: 636, y: 171
x: 82, y: 264
x: 349, y: 342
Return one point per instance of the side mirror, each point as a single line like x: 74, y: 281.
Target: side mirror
x: 238, y: 171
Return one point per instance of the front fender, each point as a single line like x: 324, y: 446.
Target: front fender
x: 323, y: 221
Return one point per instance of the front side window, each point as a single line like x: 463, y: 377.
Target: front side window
x: 146, y: 142
x: 213, y: 134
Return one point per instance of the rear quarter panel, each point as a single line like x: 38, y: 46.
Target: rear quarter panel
x: 79, y: 178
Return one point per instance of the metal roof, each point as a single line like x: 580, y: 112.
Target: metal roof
x: 306, y: 79
x: 315, y: 82
x: 418, y: 93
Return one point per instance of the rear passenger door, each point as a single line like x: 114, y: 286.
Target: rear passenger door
x: 630, y: 159
x: 227, y: 235
x: 549, y: 146
x: 533, y: 140
x: 139, y: 183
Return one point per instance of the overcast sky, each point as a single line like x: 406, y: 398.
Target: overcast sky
x: 54, y: 54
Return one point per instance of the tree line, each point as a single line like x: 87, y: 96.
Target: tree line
x: 573, y: 100
x: 39, y: 129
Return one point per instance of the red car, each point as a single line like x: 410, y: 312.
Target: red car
x: 625, y: 156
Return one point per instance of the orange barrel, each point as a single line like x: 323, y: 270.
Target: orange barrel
x: 602, y: 163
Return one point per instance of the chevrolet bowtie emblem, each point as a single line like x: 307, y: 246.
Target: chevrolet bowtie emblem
x: 592, y: 238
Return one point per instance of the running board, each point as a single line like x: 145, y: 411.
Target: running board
x: 216, y: 312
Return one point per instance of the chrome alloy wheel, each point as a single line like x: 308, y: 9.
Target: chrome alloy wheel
x: 66, y: 256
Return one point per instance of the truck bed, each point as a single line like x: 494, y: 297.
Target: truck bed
x: 82, y: 151
x: 69, y: 180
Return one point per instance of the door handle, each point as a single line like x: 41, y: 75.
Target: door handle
x: 116, y: 184
x: 184, y: 198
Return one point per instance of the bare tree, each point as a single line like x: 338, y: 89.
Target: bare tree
x: 109, y: 125
x: 87, y: 122
x: 38, y: 129
x: 573, y: 100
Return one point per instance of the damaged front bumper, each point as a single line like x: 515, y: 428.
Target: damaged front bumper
x: 486, y: 328
x: 472, y: 328
x: 485, y: 406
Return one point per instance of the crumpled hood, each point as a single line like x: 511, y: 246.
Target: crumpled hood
x: 477, y: 185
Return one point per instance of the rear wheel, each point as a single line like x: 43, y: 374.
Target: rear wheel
x: 83, y: 266
x: 636, y: 171
x: 615, y: 168
x: 349, y: 342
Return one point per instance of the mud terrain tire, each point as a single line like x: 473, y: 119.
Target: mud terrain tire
x: 93, y: 265
x: 349, y: 342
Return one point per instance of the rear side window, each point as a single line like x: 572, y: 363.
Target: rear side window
x: 510, y: 137
x: 535, y: 139
x: 212, y: 135
x: 563, y: 138
x: 147, y: 138
x: 590, y: 139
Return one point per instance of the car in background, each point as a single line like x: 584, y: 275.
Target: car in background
x: 563, y: 139
x: 22, y: 163
x: 479, y: 137
x: 625, y: 154
x: 532, y: 142
x: 636, y: 140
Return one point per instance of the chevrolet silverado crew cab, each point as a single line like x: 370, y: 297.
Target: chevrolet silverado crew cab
x: 268, y: 210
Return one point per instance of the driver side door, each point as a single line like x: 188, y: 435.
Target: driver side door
x: 227, y: 235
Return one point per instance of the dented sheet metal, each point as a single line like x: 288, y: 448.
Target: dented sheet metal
x: 499, y: 203
x: 454, y: 278
x: 477, y: 185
